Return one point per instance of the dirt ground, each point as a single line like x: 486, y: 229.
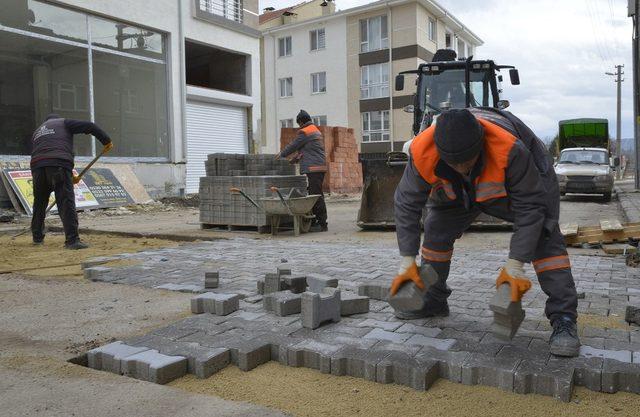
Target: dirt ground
x: 308, y: 393
x: 51, y: 314
x: 52, y: 260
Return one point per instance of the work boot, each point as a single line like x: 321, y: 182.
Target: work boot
x: 564, y: 340
x: 432, y: 308
x: 38, y: 242
x: 78, y: 244
x: 318, y: 228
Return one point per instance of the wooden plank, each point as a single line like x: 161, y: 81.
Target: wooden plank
x: 610, y: 225
x: 596, y: 235
x: 17, y: 205
x: 569, y: 229
x: 619, y: 248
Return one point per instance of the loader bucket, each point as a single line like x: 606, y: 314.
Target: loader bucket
x: 381, y: 174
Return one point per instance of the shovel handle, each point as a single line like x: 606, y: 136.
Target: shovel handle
x: 284, y: 202
x: 235, y: 190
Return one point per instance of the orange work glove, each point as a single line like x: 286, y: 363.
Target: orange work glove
x: 513, y: 274
x: 107, y: 147
x: 410, y: 273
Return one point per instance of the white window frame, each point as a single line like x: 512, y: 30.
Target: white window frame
x: 282, y: 86
x: 286, y: 123
x: 365, y: 43
x: 385, y: 135
x: 432, y: 32
x: 80, y: 95
x: 452, y: 42
x: 319, y: 82
x: 317, y: 120
x: 319, y: 45
x: 285, y: 46
x: 368, y: 87
x: 461, y: 53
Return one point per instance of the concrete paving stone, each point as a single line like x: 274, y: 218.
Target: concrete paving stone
x: 620, y: 376
x: 449, y: 333
x: 312, y: 354
x: 612, y: 344
x: 587, y: 371
x: 252, y: 353
x: 280, y: 345
x: 247, y: 315
x: 351, y: 304
x: 273, y: 283
x: 618, y: 334
x: 536, y: 377
x: 297, y: 284
x: 385, y: 325
x: 636, y: 357
x: 403, y: 369
x: 260, y: 286
x: 449, y: 362
x: 595, y: 342
x: 422, y: 330
x: 283, y: 270
x: 619, y: 355
x: 377, y: 290
x: 356, y: 362
x: 215, y: 303
x: 594, y: 332
x: 174, y: 332
x: 479, y: 369
x: 441, y: 344
x: 94, y: 273
x: 316, y: 283
x: 411, y: 298
x: 346, y: 340
x: 380, y: 334
x: 109, y: 357
x: 211, y: 279
x: 153, y: 366
x: 320, y: 308
x: 519, y: 352
x: 253, y: 299
x: 282, y: 303
x: 202, y: 361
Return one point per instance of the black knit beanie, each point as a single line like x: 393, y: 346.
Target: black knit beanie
x: 459, y: 136
x: 303, y: 117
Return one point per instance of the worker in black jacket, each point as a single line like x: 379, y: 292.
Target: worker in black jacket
x: 309, y: 144
x: 52, y: 170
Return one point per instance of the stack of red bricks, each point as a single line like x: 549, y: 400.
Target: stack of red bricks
x: 344, y: 172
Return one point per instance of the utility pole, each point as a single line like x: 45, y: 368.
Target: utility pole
x: 618, y: 74
x: 634, y: 5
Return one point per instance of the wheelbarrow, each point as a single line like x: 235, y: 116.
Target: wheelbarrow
x: 275, y: 208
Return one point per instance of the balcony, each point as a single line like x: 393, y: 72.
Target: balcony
x: 229, y: 9
x: 238, y: 15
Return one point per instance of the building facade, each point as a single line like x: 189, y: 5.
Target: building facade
x: 382, y: 39
x: 170, y: 80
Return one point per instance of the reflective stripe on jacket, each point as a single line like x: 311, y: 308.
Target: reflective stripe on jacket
x: 513, y: 172
x: 310, y: 144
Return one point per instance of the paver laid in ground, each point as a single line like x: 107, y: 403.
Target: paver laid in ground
x: 374, y: 344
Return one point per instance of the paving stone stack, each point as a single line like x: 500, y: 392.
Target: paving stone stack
x: 255, y: 175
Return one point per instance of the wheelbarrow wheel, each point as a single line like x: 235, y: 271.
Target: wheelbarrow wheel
x: 305, y: 224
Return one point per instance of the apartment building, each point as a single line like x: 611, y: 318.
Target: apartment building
x: 347, y: 82
x: 170, y: 80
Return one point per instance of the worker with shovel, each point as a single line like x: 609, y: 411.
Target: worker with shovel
x: 309, y: 144
x: 52, y: 170
x: 485, y: 160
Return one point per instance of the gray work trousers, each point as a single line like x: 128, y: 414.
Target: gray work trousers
x: 444, y: 224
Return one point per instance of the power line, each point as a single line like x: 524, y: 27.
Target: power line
x: 595, y: 36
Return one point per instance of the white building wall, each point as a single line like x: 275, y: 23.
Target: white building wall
x: 300, y: 65
x: 163, y: 16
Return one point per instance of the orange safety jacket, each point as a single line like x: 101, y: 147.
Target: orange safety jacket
x: 490, y: 184
x: 309, y: 143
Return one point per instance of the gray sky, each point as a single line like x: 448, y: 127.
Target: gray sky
x: 562, y: 49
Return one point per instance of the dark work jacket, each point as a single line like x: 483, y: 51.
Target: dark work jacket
x: 310, y: 144
x: 52, y: 142
x: 529, y: 195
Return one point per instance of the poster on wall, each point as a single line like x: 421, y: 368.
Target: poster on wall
x: 21, y: 183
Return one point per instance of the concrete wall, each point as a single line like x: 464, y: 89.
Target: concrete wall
x: 300, y: 65
x: 163, y: 16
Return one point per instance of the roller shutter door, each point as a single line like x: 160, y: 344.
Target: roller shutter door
x: 212, y: 128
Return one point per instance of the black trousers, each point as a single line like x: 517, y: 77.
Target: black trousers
x: 315, y: 187
x: 60, y: 181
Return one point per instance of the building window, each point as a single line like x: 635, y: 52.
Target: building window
x: 45, y: 67
x: 373, y: 34
x: 374, y: 81
x: 317, y: 39
x: 230, y: 9
x: 448, y: 40
x: 431, y: 29
x: 375, y: 126
x: 319, y: 82
x: 286, y: 87
x: 286, y: 123
x: 319, y: 120
x: 284, y: 46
